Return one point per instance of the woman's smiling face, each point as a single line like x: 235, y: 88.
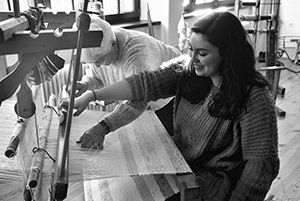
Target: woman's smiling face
x: 206, y: 59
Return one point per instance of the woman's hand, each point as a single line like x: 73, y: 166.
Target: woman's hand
x: 81, y: 87
x: 80, y: 103
x: 93, y: 137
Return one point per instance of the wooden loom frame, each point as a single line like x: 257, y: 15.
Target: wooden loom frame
x: 15, y: 40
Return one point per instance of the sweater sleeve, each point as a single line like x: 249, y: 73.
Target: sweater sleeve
x: 146, y: 86
x: 157, y: 84
x: 259, y: 139
x: 91, y: 76
x: 124, y: 113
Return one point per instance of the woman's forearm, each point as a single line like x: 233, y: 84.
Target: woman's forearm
x: 118, y: 91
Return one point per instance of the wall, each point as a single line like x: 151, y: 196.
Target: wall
x: 168, y: 12
x: 289, y: 25
x: 289, y: 18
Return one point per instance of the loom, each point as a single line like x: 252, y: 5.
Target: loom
x: 42, y: 138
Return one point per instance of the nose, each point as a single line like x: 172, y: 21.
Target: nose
x: 196, y: 60
x: 193, y: 56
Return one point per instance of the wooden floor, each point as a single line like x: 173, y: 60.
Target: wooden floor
x: 287, y: 184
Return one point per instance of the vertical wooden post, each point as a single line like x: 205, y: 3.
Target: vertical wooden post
x: 271, y: 56
x: 3, y: 67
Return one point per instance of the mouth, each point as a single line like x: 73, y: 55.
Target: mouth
x: 198, y: 66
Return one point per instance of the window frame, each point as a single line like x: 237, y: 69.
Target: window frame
x: 192, y: 6
x: 125, y: 17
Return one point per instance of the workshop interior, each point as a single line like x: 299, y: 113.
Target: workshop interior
x: 41, y: 44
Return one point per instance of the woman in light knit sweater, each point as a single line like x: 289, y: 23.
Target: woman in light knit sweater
x: 224, y: 116
x: 123, y: 52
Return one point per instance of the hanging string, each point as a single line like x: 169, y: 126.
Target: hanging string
x: 35, y: 149
x: 51, y: 107
x: 38, y: 148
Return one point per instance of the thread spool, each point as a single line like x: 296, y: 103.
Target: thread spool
x: 34, y: 175
x: 27, y: 195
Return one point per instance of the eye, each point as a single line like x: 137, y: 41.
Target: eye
x: 202, y: 54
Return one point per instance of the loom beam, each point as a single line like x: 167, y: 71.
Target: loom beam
x: 22, y: 42
x: 14, y: 40
x: 32, y: 50
x: 62, y: 19
x: 8, y: 25
x: 10, y: 83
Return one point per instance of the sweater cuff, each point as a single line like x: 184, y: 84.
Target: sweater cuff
x: 135, y: 87
x: 113, y: 121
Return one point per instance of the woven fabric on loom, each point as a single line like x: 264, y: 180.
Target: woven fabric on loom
x: 137, y: 160
x: 140, y: 148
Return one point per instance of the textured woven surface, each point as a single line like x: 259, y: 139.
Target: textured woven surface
x: 140, y: 148
x: 137, y: 161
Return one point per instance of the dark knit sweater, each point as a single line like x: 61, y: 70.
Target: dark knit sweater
x: 234, y: 159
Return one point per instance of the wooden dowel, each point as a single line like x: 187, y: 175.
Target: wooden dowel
x: 39, y: 155
x: 15, y: 138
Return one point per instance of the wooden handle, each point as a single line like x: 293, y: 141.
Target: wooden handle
x: 10, y: 83
x: 24, y: 107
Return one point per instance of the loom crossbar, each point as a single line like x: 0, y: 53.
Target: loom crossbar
x: 22, y: 42
x: 54, y: 20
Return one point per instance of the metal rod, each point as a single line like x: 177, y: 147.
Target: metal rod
x: 8, y: 4
x: 16, y: 8
x: 63, y: 155
x: 74, y: 82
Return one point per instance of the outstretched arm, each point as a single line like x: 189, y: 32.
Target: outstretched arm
x: 118, y: 91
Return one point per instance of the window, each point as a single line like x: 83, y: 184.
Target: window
x: 191, y: 5
x: 118, y: 11
x: 115, y: 11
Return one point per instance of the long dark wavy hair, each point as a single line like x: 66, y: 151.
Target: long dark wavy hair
x: 225, y: 31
